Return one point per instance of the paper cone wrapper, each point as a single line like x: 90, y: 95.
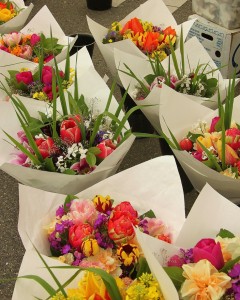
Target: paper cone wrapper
x: 32, y: 265
x: 210, y: 212
x: 154, y: 11
x: 42, y: 22
x: 195, y: 54
x: 11, y: 62
x: 96, y: 93
x: 180, y: 115
x: 160, y: 191
x: 17, y: 23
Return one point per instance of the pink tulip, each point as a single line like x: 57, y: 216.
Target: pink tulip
x: 213, y: 124
x: 12, y: 39
x: 106, y: 147
x: 210, y: 250
x: 25, y: 77
x: 34, y: 39
x: 26, y: 52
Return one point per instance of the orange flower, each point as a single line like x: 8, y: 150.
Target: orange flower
x: 26, y: 38
x: 169, y: 31
x: 133, y: 25
x: 151, y: 42
x: 36, y: 59
x: 203, y: 281
x: 16, y: 50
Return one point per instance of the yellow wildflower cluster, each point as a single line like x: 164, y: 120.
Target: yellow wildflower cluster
x: 40, y: 96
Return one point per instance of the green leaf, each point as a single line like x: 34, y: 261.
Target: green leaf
x: 148, y: 214
x: 91, y: 159
x: 47, y: 287
x: 229, y: 265
x: 69, y: 172
x: 175, y: 274
x: 67, y: 200
x: 94, y: 150
x: 142, y: 267
x: 150, y: 78
x: 193, y: 136
x: 224, y: 233
x: 211, y: 157
x: 49, y: 165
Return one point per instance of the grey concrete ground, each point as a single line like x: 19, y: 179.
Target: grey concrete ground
x: 71, y: 16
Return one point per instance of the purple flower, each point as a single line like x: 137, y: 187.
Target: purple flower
x: 234, y: 273
x: 65, y: 249
x: 60, y: 212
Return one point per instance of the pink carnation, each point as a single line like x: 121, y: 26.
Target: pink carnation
x: 82, y: 211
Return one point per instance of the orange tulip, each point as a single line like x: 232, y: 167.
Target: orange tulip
x: 134, y: 25
x: 151, y: 42
x: 231, y: 156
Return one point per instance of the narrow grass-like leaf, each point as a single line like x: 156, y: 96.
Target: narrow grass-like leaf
x: 67, y: 65
x: 176, y: 144
x: 174, y: 59
x: 54, y: 103
x: 182, y: 51
x: 211, y: 157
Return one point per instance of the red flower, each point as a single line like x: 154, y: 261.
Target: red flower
x: 4, y: 5
x: 47, y: 89
x: 70, y: 132
x: 169, y: 31
x: 106, y: 147
x: 233, y: 138
x: 126, y: 206
x: 25, y: 77
x: 133, y: 25
x: 78, y: 232
x: 120, y: 227
x: 46, y: 147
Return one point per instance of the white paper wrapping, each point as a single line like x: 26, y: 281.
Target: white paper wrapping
x: 154, y: 11
x: 42, y: 22
x: 17, y: 23
x: 95, y: 90
x: 210, y: 213
x: 181, y: 118
x: 195, y: 54
x: 11, y: 62
x: 159, y: 189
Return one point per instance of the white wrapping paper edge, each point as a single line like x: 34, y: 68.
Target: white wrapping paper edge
x: 181, y: 118
x: 210, y: 212
x: 84, y: 63
x: 194, y: 53
x: 154, y: 184
x: 165, y: 192
x: 92, y: 86
x: 154, y: 11
x: 17, y: 23
x: 42, y: 22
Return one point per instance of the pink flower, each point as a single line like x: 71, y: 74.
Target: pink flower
x: 157, y: 228
x: 106, y: 147
x: 82, y: 167
x: 25, y: 77
x: 47, y: 75
x: 214, y: 124
x: 22, y: 136
x: 26, y: 52
x: 197, y: 155
x: 3, y: 48
x: 48, y: 58
x: 157, y: 82
x: 210, y: 250
x: 47, y: 89
x: 34, y: 39
x: 12, y: 39
x: 175, y: 261
x: 20, y: 159
x: 82, y: 211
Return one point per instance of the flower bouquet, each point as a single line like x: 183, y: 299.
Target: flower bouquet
x: 205, y: 263
x: 13, y: 15
x: 127, y: 186
x: 205, y: 142
x: 156, y: 13
x: 188, y: 70
x: 41, y: 36
x: 31, y: 83
x: 76, y: 142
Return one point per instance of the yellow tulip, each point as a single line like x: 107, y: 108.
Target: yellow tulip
x: 5, y: 15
